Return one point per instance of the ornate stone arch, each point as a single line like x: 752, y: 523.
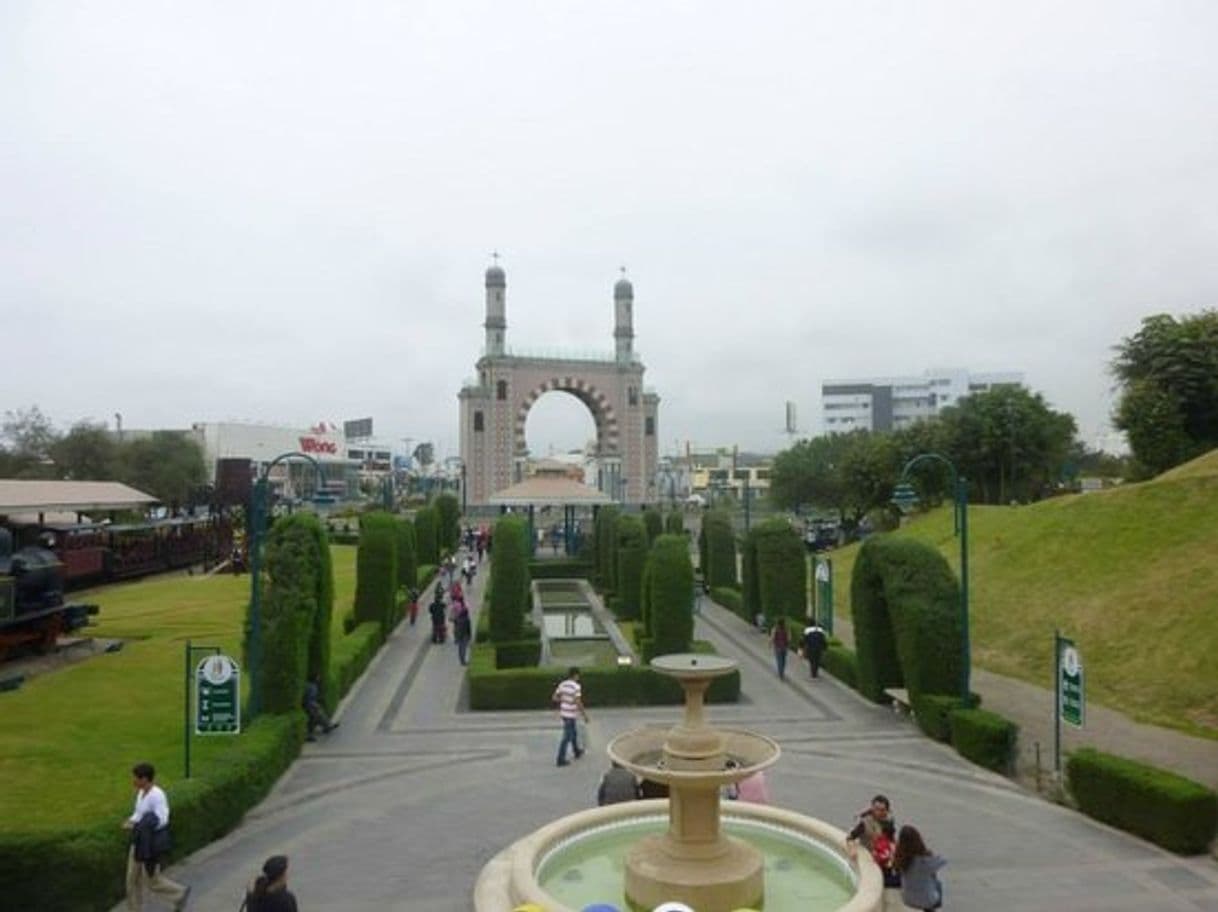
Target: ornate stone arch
x: 608, y: 436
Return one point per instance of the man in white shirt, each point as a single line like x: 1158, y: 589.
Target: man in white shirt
x: 149, y: 799
x: 570, y: 699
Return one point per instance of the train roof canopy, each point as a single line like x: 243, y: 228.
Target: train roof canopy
x: 21, y: 496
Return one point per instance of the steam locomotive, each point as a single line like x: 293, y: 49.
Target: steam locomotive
x: 32, y: 607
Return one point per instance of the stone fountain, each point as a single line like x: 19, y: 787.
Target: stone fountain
x: 692, y: 860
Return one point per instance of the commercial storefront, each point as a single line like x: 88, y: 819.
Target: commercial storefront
x: 261, y: 444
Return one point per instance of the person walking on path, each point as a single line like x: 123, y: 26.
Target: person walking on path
x: 316, y: 713
x: 439, y: 628
x: 149, y: 826
x: 412, y: 607
x: 781, y: 641
x: 269, y: 892
x: 919, y: 870
x: 569, y: 697
x: 462, y: 631
x: 814, y: 644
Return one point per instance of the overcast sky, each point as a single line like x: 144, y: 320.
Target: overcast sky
x: 282, y: 211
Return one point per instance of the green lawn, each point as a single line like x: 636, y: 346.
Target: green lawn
x: 68, y: 739
x: 1131, y: 574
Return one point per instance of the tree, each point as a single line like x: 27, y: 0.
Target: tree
x: 1168, y: 374
x: 86, y: 453
x: 168, y: 465
x: 28, y: 436
x: 849, y: 474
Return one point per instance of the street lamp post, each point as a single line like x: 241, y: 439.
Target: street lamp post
x: 258, y: 507
x: 960, y: 516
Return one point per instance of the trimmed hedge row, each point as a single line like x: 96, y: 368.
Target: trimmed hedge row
x: 730, y: 599
x: 842, y: 663
x: 518, y: 654
x: 353, y: 653
x: 1171, y: 811
x: 561, y: 568
x: 906, y: 609
x: 932, y: 712
x: 984, y: 737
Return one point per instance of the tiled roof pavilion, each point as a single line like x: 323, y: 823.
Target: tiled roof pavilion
x: 549, y: 490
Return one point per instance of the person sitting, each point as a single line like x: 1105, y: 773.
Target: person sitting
x: 311, y: 703
x: 617, y: 785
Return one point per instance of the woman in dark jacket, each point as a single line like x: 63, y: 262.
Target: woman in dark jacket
x: 270, y: 893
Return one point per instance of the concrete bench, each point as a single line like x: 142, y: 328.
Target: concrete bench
x: 900, y: 700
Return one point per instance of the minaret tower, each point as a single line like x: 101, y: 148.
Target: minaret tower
x: 496, y: 319
x: 623, y: 323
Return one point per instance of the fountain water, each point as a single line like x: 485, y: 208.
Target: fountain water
x: 693, y: 860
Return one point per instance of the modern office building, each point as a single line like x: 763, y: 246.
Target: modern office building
x: 891, y: 403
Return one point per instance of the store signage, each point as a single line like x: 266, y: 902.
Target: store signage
x: 217, y: 696
x: 317, y: 445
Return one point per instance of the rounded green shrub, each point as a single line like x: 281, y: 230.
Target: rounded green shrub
x: 674, y: 523
x: 782, y: 570
x: 654, y: 523
x: 984, y: 737
x: 376, y: 570
x: 508, y: 599
x: 671, y: 597
x: 426, y: 531
x: 719, y: 556
x: 631, y: 554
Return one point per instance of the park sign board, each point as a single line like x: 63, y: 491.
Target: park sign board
x: 217, y: 696
x: 1070, y: 683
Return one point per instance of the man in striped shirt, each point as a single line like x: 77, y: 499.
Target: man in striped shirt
x: 569, y: 697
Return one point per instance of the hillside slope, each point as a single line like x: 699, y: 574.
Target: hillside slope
x: 1131, y: 574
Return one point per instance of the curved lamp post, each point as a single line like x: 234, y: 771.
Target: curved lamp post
x: 258, y: 506
x: 904, y: 495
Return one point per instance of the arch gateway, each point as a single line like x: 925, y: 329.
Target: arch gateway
x: 495, y: 406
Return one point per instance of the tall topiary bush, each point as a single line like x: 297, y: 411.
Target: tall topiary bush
x: 719, y: 559
x: 408, y: 559
x: 674, y: 523
x: 448, y: 519
x: 509, y: 585
x: 376, y: 570
x: 631, y: 554
x: 288, y: 613
x: 323, y: 591
x: 426, y: 532
x: 782, y: 570
x: 750, y: 581
x: 654, y: 524
x: 671, y: 597
x: 606, y: 546
x: 906, y: 609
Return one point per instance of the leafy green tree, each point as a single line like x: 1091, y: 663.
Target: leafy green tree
x: 849, y: 474
x: 28, y: 436
x: 168, y: 465
x: 1168, y: 374
x: 87, y: 453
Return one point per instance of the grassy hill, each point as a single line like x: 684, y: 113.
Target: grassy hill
x: 1131, y: 574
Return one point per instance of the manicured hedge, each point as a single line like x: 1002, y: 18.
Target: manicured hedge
x: 518, y: 654
x: 81, y: 870
x: 1171, y: 811
x: 606, y: 546
x: 408, y: 557
x: 448, y: 522
x: 906, y: 609
x: 782, y: 570
x: 632, y: 545
x: 670, y: 605
x: 674, y: 523
x: 653, y: 524
x: 731, y: 600
x: 427, y: 535
x: 841, y: 663
x: 353, y: 653
x: 376, y: 570
x: 508, y: 597
x: 719, y: 559
x: 932, y: 712
x: 561, y: 568
x: 984, y: 737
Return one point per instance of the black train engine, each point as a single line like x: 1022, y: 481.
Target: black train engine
x: 32, y: 609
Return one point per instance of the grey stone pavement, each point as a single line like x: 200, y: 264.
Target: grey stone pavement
x: 400, y: 807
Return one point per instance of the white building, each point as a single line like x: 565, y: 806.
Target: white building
x: 262, y: 443
x: 891, y: 403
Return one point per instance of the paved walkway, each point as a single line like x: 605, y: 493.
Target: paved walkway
x: 1031, y: 708
x: 400, y: 807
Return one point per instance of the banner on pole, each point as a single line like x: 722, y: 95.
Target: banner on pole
x: 217, y: 696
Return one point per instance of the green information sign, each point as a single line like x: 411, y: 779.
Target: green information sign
x: 217, y: 696
x: 1070, y: 677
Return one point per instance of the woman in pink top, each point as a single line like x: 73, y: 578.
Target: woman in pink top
x: 753, y: 789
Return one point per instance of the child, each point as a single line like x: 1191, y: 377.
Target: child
x: 918, y: 867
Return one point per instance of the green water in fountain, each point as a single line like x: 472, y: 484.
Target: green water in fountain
x: 799, y: 875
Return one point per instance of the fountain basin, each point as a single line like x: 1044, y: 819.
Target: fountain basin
x: 512, y: 877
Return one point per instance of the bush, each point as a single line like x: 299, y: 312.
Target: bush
x: 518, y: 654
x: 906, y: 609
x: 605, y: 530
x: 781, y: 570
x: 561, y: 568
x: 674, y: 523
x: 408, y: 559
x: 670, y: 603
x: 508, y: 597
x: 731, y: 600
x: 1171, y: 811
x: 426, y: 536
x: 631, y: 554
x: 448, y: 522
x: 353, y: 653
x: 841, y: 663
x: 984, y: 737
x: 87, y: 874
x: 653, y: 524
x: 376, y: 570
x: 349, y: 622
x: 932, y: 713
x: 719, y: 559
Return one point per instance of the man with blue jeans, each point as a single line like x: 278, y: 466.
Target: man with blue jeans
x: 569, y: 698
